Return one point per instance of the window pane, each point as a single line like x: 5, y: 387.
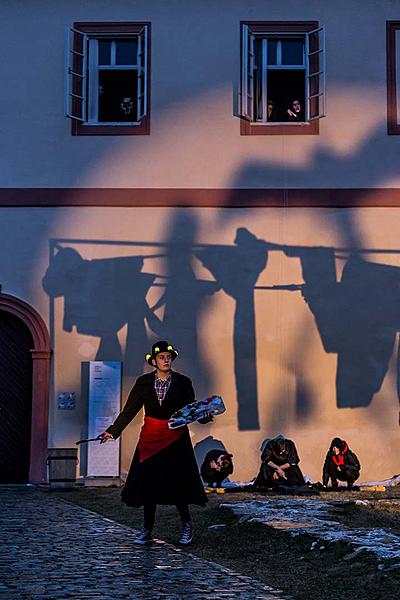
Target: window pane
x: 271, y: 51
x: 292, y: 52
x: 117, y: 96
x: 104, y: 52
x: 126, y: 52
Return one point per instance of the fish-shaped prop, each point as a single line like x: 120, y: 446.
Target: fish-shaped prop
x: 214, y: 405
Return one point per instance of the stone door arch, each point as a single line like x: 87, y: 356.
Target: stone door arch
x: 41, y: 355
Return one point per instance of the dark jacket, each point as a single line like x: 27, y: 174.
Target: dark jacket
x: 351, y: 461
x: 171, y: 475
x: 211, y: 475
x: 289, y: 454
x: 144, y: 395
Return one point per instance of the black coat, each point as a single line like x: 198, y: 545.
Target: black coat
x: 171, y: 476
x: 289, y: 455
x: 351, y: 463
x: 211, y: 475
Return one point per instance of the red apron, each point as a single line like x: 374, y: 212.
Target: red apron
x: 155, y: 435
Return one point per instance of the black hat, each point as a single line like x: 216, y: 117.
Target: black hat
x: 158, y: 347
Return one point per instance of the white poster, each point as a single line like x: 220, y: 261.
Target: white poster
x: 104, y: 406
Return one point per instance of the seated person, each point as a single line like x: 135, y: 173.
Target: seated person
x: 340, y: 463
x: 216, y: 467
x: 294, y: 112
x: 279, y: 464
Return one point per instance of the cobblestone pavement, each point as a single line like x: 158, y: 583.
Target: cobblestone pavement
x: 53, y: 550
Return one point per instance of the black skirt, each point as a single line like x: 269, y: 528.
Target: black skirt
x: 169, y: 477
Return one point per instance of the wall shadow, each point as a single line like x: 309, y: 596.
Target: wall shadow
x: 236, y: 270
x: 357, y: 315
x: 101, y: 297
x: 185, y: 299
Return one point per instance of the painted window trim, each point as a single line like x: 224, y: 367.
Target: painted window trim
x: 122, y: 28
x: 393, y: 124
x: 307, y: 128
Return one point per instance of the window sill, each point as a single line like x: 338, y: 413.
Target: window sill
x: 311, y: 128
x: 141, y: 129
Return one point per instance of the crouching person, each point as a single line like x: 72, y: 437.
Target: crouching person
x: 340, y: 463
x: 279, y: 464
x: 216, y: 467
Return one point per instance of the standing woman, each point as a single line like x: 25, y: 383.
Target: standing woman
x: 163, y: 469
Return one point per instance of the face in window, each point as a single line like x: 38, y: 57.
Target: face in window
x: 296, y: 106
x: 127, y: 106
x: 270, y: 109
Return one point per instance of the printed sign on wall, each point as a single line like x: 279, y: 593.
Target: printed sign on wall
x: 104, y: 406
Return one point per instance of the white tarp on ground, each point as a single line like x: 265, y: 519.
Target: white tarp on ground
x: 392, y: 482
x: 316, y: 517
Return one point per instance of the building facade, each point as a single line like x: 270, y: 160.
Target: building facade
x: 223, y: 175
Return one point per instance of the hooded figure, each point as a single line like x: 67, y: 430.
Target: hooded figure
x: 279, y: 464
x: 340, y: 463
x: 216, y: 467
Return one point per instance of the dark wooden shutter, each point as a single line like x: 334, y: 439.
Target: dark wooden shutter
x: 15, y: 399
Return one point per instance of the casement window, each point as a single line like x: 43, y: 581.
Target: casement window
x: 393, y: 77
x: 107, y: 88
x: 283, y: 77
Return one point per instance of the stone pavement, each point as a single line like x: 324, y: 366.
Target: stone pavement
x: 53, y: 550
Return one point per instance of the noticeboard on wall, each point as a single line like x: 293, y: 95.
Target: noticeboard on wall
x: 104, y: 406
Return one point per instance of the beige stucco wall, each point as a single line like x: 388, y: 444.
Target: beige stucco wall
x: 290, y: 354
x: 195, y: 139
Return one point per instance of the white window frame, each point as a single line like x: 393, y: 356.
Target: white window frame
x: 90, y: 75
x: 249, y: 66
x: 320, y: 74
x: 72, y: 76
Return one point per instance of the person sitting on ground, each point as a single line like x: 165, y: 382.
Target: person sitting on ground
x: 340, y: 463
x: 216, y: 467
x: 279, y: 464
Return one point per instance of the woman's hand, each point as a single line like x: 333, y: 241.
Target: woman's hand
x: 208, y: 417
x: 281, y: 472
x: 105, y: 436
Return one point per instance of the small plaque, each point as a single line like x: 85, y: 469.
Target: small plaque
x: 67, y: 401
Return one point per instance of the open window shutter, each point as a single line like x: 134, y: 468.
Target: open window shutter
x: 142, y: 74
x: 247, y: 84
x: 316, y: 74
x: 75, y: 74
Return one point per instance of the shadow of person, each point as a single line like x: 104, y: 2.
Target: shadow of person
x: 236, y: 271
x: 204, y: 446
x: 357, y: 318
x: 185, y: 299
x: 100, y: 297
x: 349, y: 320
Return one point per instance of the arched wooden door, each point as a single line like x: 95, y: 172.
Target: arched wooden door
x: 15, y: 399
x: 24, y: 392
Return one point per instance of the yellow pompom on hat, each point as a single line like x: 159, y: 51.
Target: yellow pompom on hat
x: 161, y: 346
